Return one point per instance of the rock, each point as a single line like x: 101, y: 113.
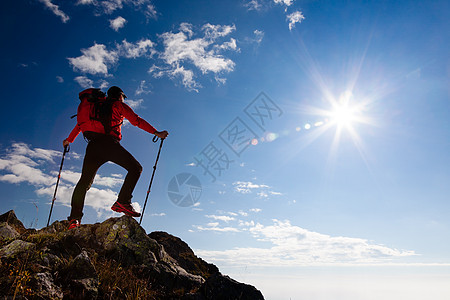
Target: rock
x: 15, y: 248
x: 220, y: 287
x: 115, y: 259
x: 123, y: 237
x: 83, y: 278
x: 81, y: 267
x: 7, y: 232
x: 183, y: 254
x: 45, y: 287
x: 11, y: 219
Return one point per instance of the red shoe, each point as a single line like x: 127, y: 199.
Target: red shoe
x: 127, y: 209
x: 74, y: 223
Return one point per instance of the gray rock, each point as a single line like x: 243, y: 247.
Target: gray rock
x: 220, y: 287
x: 45, y: 286
x: 7, y: 232
x: 11, y: 219
x: 83, y: 278
x: 15, y: 248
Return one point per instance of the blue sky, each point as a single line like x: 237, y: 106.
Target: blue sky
x: 314, y: 134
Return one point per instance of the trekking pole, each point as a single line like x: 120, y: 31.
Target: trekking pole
x: 155, y: 139
x: 66, y: 149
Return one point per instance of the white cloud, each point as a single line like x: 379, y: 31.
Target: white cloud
x: 151, y: 12
x: 22, y: 164
x: 215, y: 227
x: 59, y: 79
x: 103, y: 84
x: 182, y: 52
x: 253, y: 5
x: 142, y: 89
x: 256, y: 210
x: 84, y: 82
x: 231, y: 45
x: 95, y: 60
x: 284, y: 2
x: 294, y: 246
x: 295, y: 17
x: 243, y: 213
x: 85, y: 2
x: 140, y: 48
x: 134, y: 104
x: 179, y: 48
x: 213, y: 32
x: 117, y: 23
x: 246, y: 187
x: 110, y: 6
x: 221, y: 218
x: 158, y: 215
x: 259, y: 35
x: 55, y: 9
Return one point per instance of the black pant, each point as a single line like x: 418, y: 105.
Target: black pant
x: 101, y: 149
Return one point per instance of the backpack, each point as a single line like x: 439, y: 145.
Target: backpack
x: 100, y: 107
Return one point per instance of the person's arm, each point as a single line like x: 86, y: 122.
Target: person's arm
x: 73, y: 134
x: 141, y: 123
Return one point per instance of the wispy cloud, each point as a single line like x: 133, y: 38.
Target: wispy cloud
x: 142, y: 89
x: 284, y: 2
x: 221, y: 218
x: 151, y: 12
x: 182, y: 52
x: 55, y: 9
x: 95, y: 60
x: 135, y: 50
x: 246, y: 187
x: 261, y: 190
x: 253, y: 5
x: 295, y: 246
x: 214, y: 226
x: 134, y: 104
x: 295, y: 17
x: 110, y: 6
x: 84, y: 82
x: 259, y: 35
x: 37, y: 167
x: 117, y: 23
x: 158, y: 214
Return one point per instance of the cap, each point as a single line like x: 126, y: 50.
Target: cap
x: 115, y: 92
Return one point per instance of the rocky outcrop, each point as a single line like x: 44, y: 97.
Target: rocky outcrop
x: 115, y: 259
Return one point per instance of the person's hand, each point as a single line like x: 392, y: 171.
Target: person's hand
x: 66, y: 143
x: 162, y: 134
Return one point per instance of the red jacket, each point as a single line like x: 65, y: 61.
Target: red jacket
x: 120, y: 110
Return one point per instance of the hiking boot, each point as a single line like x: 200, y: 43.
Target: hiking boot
x: 74, y: 223
x: 125, y: 208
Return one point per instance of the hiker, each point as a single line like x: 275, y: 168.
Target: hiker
x: 103, y: 146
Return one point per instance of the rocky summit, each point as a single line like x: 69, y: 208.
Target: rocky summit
x: 115, y: 259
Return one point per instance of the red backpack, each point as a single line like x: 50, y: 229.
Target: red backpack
x: 99, y: 107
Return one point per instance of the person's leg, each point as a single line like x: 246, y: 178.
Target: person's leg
x: 93, y: 159
x: 123, y: 158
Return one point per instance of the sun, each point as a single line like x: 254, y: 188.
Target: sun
x: 344, y: 113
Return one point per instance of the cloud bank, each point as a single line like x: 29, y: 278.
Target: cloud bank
x: 37, y: 167
x: 290, y: 245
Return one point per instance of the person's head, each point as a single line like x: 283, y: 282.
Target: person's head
x: 115, y: 92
